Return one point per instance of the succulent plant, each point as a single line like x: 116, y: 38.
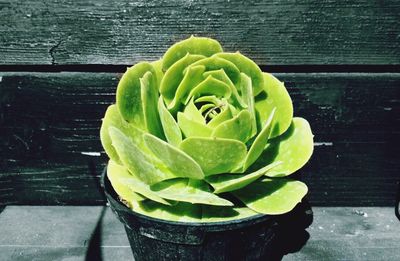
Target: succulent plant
x: 204, y: 135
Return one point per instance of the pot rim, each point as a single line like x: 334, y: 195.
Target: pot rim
x: 235, y: 223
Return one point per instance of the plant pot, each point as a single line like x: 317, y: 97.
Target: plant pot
x: 156, y: 239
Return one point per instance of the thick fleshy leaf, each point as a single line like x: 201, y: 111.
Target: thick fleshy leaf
x: 237, y: 128
x: 184, y: 190
x: 192, y: 128
x: 157, y: 65
x: 210, y: 86
x: 128, y: 94
x: 180, y: 164
x: 276, y: 96
x: 223, y: 116
x: 214, y: 155
x: 112, y: 117
x: 259, y: 143
x: 248, y: 67
x: 170, y: 126
x: 193, y: 45
x: 149, y: 96
x: 248, y: 97
x: 114, y: 173
x: 191, y: 112
x: 216, y: 63
x: 139, y: 163
x: 219, y: 214
x: 174, y: 76
x: 294, y: 148
x: 193, y: 76
x: 229, y: 182
x: 272, y: 196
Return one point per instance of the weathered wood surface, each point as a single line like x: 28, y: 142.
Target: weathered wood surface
x: 50, y: 151
x: 369, y: 233
x: 271, y: 32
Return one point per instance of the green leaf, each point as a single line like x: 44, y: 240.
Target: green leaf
x: 114, y: 173
x: 214, y: 155
x: 272, y: 196
x: 191, y: 112
x: 294, y: 148
x: 229, y: 182
x: 112, y: 117
x: 276, y: 96
x: 259, y: 143
x: 248, y: 97
x: 193, y: 128
x: 170, y: 126
x: 149, y: 96
x: 193, y: 45
x: 157, y: 65
x: 128, y: 96
x: 220, y: 214
x: 237, y: 128
x: 184, y: 190
x: 210, y: 86
x: 248, y: 67
x: 180, y: 164
x: 137, y: 161
x: 174, y: 76
x: 223, y: 116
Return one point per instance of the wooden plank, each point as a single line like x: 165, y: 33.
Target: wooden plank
x: 337, y: 233
x: 50, y: 151
x: 270, y: 32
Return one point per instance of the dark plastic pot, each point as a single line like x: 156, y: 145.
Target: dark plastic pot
x: 157, y: 240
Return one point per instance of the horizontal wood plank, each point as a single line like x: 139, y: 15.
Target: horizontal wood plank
x: 50, y: 151
x: 368, y: 233
x: 270, y: 32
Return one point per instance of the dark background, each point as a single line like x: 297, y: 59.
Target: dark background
x: 60, y: 62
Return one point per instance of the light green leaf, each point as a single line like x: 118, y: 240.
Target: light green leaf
x: 193, y: 76
x: 180, y: 164
x: 139, y: 163
x: 173, y: 77
x: 214, y: 155
x: 184, y: 190
x: 229, y: 182
x: 112, y: 117
x: 170, y: 126
x: 248, y: 67
x: 248, y: 97
x: 237, y: 128
x: 276, y: 96
x: 259, y: 143
x: 157, y: 65
x: 193, y: 128
x: 149, y: 96
x: 272, y: 196
x: 114, y: 173
x: 191, y: 112
x: 210, y: 86
x: 220, y: 214
x: 223, y: 116
x: 193, y: 45
x: 128, y: 94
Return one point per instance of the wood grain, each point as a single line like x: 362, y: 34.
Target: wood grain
x: 271, y: 32
x: 368, y: 233
x: 50, y: 151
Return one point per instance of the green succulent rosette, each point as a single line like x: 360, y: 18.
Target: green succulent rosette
x: 204, y: 135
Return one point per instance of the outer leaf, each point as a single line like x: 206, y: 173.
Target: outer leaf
x: 128, y: 94
x: 193, y: 45
x: 230, y: 182
x: 173, y: 77
x: 149, y: 96
x: 259, y: 143
x: 112, y: 117
x: 170, y: 126
x: 248, y: 97
x: 193, y: 128
x: 294, y: 148
x: 157, y: 65
x: 276, y: 96
x: 183, y: 190
x: 219, y: 214
x: 176, y: 160
x: 214, y: 155
x: 114, y: 173
x: 272, y: 196
x: 248, y: 67
x: 237, y: 128
x: 140, y: 164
